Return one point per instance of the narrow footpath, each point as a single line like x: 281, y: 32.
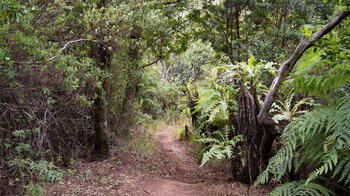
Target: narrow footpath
x: 185, y: 177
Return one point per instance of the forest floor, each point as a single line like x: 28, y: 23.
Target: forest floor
x: 171, y: 170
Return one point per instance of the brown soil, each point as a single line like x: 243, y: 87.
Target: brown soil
x: 172, y: 171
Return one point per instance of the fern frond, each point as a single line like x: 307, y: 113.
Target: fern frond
x: 220, y: 147
x: 320, y: 85
x: 285, y: 111
x: 308, y: 61
x: 300, y: 188
x: 330, y: 160
x: 210, y: 154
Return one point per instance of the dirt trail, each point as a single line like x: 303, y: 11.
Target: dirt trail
x: 186, y: 177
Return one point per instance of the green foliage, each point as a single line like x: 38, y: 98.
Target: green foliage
x: 45, y: 171
x: 300, y: 188
x: 256, y: 74
x: 10, y: 10
x: 323, y: 69
x: 35, y: 189
x: 156, y: 99
x: 319, y: 139
x: 267, y: 39
x: 251, y: 71
x: 221, y: 146
x: 49, y: 50
x: 180, y: 133
x: 189, y: 67
x: 143, y: 142
x: 216, y: 102
x: 321, y: 85
x: 285, y: 111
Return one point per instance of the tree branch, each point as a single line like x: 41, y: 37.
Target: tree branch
x: 287, y: 66
x: 169, y: 3
x: 53, y: 58
x: 149, y: 64
x: 75, y: 41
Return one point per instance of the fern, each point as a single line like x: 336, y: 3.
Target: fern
x: 300, y: 188
x: 221, y: 147
x: 320, y: 137
x: 320, y: 85
x: 310, y: 61
x: 214, y: 103
x: 252, y: 70
x: 286, y: 111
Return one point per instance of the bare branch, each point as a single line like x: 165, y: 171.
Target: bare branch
x: 75, y: 41
x: 288, y: 65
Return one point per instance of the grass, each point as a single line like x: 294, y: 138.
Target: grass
x: 143, y: 144
x: 143, y: 140
x: 155, y: 125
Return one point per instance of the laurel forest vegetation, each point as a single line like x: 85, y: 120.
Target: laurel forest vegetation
x: 260, y: 86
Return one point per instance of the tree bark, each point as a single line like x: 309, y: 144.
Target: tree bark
x: 125, y: 119
x: 102, y: 58
x: 237, y: 10
x: 102, y: 141
x: 257, y: 139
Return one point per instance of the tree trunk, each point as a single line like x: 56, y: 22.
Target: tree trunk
x: 102, y: 140
x: 257, y: 138
x: 125, y: 119
x: 237, y: 10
